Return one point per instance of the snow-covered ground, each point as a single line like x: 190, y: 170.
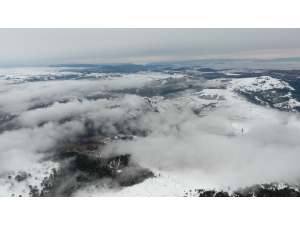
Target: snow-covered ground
x: 259, y: 84
x: 9, y: 186
x: 264, y: 83
x: 161, y: 104
x: 165, y: 184
x: 290, y: 104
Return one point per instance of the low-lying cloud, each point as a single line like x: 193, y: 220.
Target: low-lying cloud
x: 20, y: 148
x: 183, y: 141
x: 20, y: 97
x: 176, y: 140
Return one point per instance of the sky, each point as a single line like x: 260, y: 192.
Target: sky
x: 55, y: 46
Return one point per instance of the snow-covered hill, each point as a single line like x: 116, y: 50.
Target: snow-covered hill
x: 267, y: 91
x: 259, y: 84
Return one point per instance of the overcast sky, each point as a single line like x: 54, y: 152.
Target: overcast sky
x: 48, y: 46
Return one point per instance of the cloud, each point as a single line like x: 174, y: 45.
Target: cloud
x: 35, y: 46
x: 20, y: 148
x: 100, y: 110
x: 176, y: 139
x: 183, y: 141
x: 62, y: 116
x: 19, y: 97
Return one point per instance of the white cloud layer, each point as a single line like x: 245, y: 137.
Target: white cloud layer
x: 182, y: 141
x: 20, y: 148
x: 19, y: 97
x: 46, y: 46
x: 177, y: 140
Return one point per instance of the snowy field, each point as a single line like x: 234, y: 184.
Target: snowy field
x: 10, y: 187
